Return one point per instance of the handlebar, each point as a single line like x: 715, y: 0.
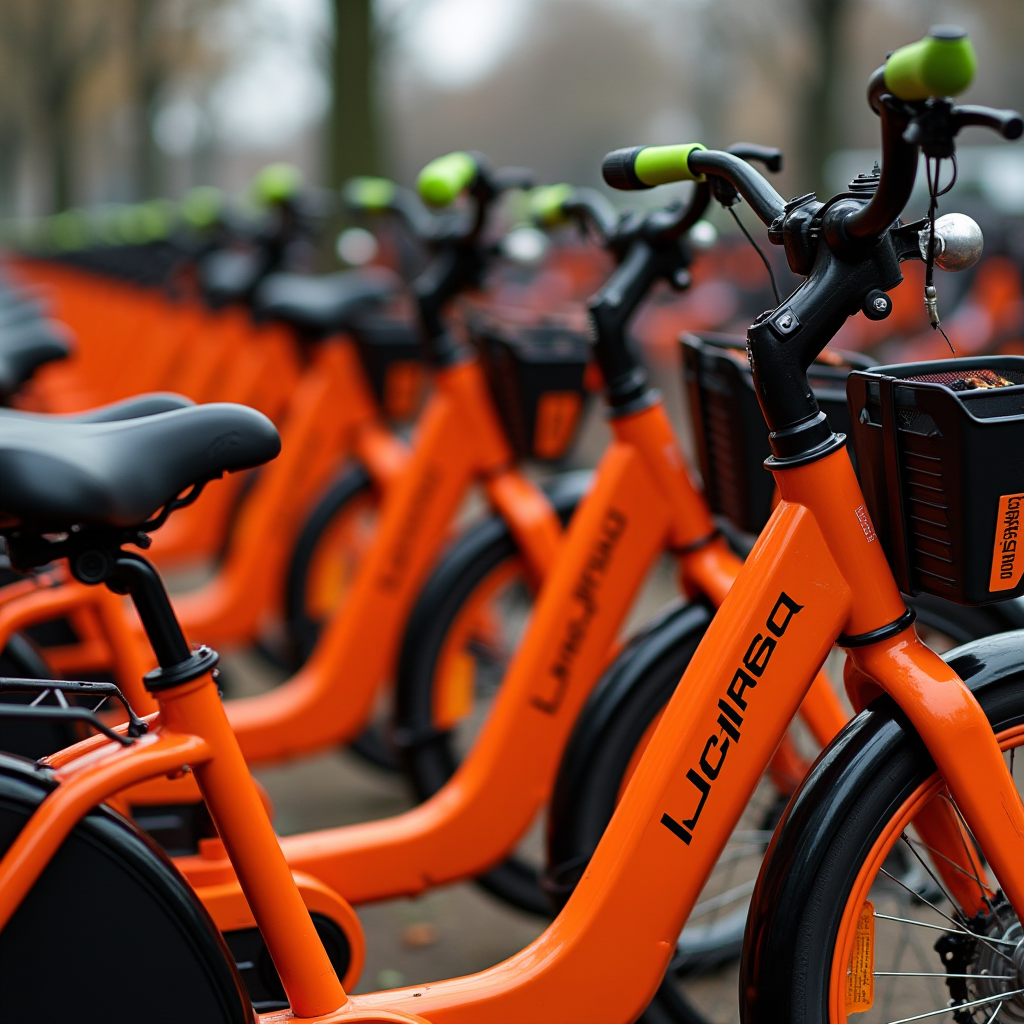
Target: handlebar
x: 551, y: 205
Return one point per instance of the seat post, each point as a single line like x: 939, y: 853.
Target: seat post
x: 134, y: 575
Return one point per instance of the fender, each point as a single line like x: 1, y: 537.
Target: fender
x: 565, y: 491
x: 864, y: 748
x: 680, y: 624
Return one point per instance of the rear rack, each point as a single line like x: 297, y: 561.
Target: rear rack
x: 67, y: 712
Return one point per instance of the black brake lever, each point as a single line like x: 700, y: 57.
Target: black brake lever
x: 512, y: 177
x: 751, y: 151
x: 1007, y: 123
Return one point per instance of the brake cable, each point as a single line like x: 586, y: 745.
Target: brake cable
x: 931, y: 298
x: 764, y: 259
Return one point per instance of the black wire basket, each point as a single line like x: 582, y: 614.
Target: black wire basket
x: 941, y: 451
x: 392, y: 357
x: 536, y: 375
x: 729, y: 427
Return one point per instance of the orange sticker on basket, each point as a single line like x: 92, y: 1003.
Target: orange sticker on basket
x: 860, y: 973
x: 1007, y: 560
x: 557, y: 412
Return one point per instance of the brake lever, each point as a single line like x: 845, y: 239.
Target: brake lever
x: 1007, y: 123
x: 508, y: 178
x: 751, y: 151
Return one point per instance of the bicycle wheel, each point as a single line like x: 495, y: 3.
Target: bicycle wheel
x: 134, y: 942
x: 320, y: 573
x: 831, y: 872
x: 326, y: 555
x: 605, y: 746
x: 463, y: 630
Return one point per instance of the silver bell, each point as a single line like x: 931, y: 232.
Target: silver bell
x: 958, y: 242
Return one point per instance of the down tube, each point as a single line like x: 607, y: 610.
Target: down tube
x: 331, y: 697
x: 743, y: 686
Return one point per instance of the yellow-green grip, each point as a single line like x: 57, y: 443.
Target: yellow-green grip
x: 371, y: 194
x: 545, y: 204
x: 646, y: 166
x: 276, y: 183
x: 941, y: 64
x: 442, y: 181
x: 69, y: 230
x: 202, y: 206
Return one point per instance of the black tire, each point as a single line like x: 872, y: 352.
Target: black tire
x: 842, y: 807
x: 630, y: 696
x: 303, y: 627
x: 429, y: 756
x: 134, y: 942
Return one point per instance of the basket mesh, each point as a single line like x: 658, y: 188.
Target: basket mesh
x: 972, y: 380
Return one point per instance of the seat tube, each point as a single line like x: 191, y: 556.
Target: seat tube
x: 309, y: 979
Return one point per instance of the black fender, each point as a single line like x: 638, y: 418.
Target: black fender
x: 865, y: 747
x: 678, y: 624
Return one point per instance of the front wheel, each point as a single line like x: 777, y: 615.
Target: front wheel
x: 836, y: 932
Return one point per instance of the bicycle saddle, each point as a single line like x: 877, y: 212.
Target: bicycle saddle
x: 55, y: 475
x: 126, y: 409
x: 325, y: 304
x: 229, y: 275
x: 23, y: 349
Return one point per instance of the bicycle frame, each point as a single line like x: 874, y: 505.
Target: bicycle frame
x: 642, y: 504
x: 816, y: 573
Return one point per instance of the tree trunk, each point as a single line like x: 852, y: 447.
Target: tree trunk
x: 353, y: 136
x: 825, y: 22
x: 147, y: 81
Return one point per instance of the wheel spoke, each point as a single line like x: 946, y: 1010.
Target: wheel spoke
x: 723, y: 899
x: 943, y: 974
x: 952, y: 863
x: 945, y: 928
x: 962, y: 1006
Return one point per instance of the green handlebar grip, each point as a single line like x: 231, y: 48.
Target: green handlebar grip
x: 276, y: 183
x: 202, y: 206
x: 941, y: 64
x: 69, y: 230
x: 442, y: 180
x: 646, y: 166
x: 545, y: 204
x: 372, y: 194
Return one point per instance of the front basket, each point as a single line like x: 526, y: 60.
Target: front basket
x: 940, y: 449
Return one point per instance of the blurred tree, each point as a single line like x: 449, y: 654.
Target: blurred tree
x: 164, y: 41
x: 817, y: 135
x: 51, y: 48
x: 353, y: 145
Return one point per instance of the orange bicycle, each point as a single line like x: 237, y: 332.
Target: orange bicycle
x: 817, y: 575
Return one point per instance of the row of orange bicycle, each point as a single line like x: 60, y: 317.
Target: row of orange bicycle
x: 313, y: 444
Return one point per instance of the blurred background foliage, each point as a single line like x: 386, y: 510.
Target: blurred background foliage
x: 118, y: 100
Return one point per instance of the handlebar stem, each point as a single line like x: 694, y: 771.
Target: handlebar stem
x: 611, y: 309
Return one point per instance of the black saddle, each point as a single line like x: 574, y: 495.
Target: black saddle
x: 126, y: 409
x: 56, y: 474
x: 229, y: 275
x: 326, y: 304
x: 23, y: 349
